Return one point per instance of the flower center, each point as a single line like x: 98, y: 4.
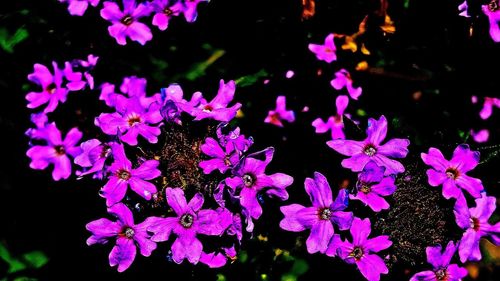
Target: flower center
x: 123, y: 174
x: 248, y: 180
x: 128, y: 232
x: 227, y: 162
x: 442, y: 274
x: 187, y: 220
x: 493, y: 5
x: 127, y: 20
x: 106, y: 150
x: 60, y: 150
x: 134, y: 119
x: 51, y: 89
x: 325, y: 213
x: 370, y: 150
x: 475, y: 224
x: 167, y: 11
x: 365, y: 188
x: 452, y: 173
x: 357, y: 253
x: 208, y: 108
x: 337, y: 119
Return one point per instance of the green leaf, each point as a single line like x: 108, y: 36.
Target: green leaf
x: 14, y: 264
x: 198, y: 70
x: 299, y: 267
x: 249, y: 80
x: 36, y: 259
x: 7, y: 42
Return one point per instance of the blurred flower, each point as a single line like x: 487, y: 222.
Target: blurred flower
x: 372, y: 185
x: 280, y: 113
x: 128, y: 236
x: 56, y: 150
x: 475, y: 223
x: 361, y: 249
x: 492, y: 11
x: 320, y: 217
x: 126, y: 23
x: 189, y: 222
x: 464, y: 9
x: 488, y: 107
x: 442, y: 269
x: 78, y: 7
x: 164, y: 10
x: 452, y: 174
x: 343, y: 80
x: 371, y: 149
x: 480, y: 136
x: 122, y: 176
x: 325, y: 52
x: 334, y: 123
x: 190, y: 12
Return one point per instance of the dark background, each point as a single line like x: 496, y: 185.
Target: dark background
x: 431, y: 53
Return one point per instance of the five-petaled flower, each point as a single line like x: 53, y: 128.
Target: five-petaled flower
x: 122, y: 176
x: 164, y: 10
x: 189, y: 222
x: 325, y: 52
x: 128, y: 236
x: 56, y: 150
x: 371, y: 149
x: 126, y: 23
x: 334, y: 123
x: 361, y: 250
x: 452, y: 174
x: 475, y: 223
x: 52, y: 92
x: 276, y: 116
x: 442, y: 269
x: 320, y: 217
x: 372, y: 185
x: 223, y: 159
x: 217, y: 108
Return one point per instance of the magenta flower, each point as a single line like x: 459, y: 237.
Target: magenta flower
x: 488, y: 105
x: 334, y: 123
x: 361, y: 250
x: 371, y: 149
x: 325, y: 52
x: 249, y: 179
x: 128, y: 236
x: 190, y: 12
x: 492, y: 11
x: 464, y: 9
x: 88, y: 65
x: 234, y: 137
x: 190, y: 221
x: 75, y: 82
x: 40, y: 120
x: 52, y: 92
x: 173, y: 103
x: 126, y: 24
x: 280, y: 113
x: 122, y: 176
x: 442, y: 269
x: 131, y: 120
x: 94, y: 155
x: 343, y: 80
x: 321, y: 217
x: 223, y: 158
x: 480, y: 136
x: 56, y: 151
x: 475, y: 223
x: 78, y: 7
x: 372, y: 185
x: 218, y: 258
x: 217, y: 108
x: 452, y: 174
x: 164, y: 10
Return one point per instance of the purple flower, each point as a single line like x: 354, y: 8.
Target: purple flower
x: 480, y: 136
x: 442, y: 269
x: 280, y: 113
x: 190, y: 12
x: 94, y: 155
x: 343, y: 80
x: 475, y: 223
x: 55, y: 151
x: 249, y: 179
x: 372, y: 185
x: 334, y: 123
x: 126, y: 24
x: 488, y: 105
x: 40, y: 121
x: 492, y: 11
x: 361, y: 249
x: 52, y: 92
x: 218, y: 258
x: 78, y: 7
x: 217, y: 108
x: 131, y: 120
x: 464, y: 9
x: 75, y: 82
x: 88, y: 65
x: 325, y: 52
x: 223, y: 158
x: 128, y: 236
x: 320, y: 217
x: 164, y: 10
x: 452, y: 174
x: 189, y: 222
x: 173, y: 103
x: 122, y: 176
x: 371, y: 149
x: 234, y: 137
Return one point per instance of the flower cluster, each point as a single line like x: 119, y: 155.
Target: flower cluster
x: 47, y: 145
x: 375, y: 181
x: 127, y: 19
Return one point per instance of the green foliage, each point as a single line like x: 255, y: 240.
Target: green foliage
x: 251, y: 79
x: 8, y: 42
x: 31, y: 260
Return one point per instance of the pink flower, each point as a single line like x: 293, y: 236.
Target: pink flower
x: 343, y: 80
x: 280, y: 113
x: 334, y: 123
x: 492, y: 11
x: 325, y: 52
